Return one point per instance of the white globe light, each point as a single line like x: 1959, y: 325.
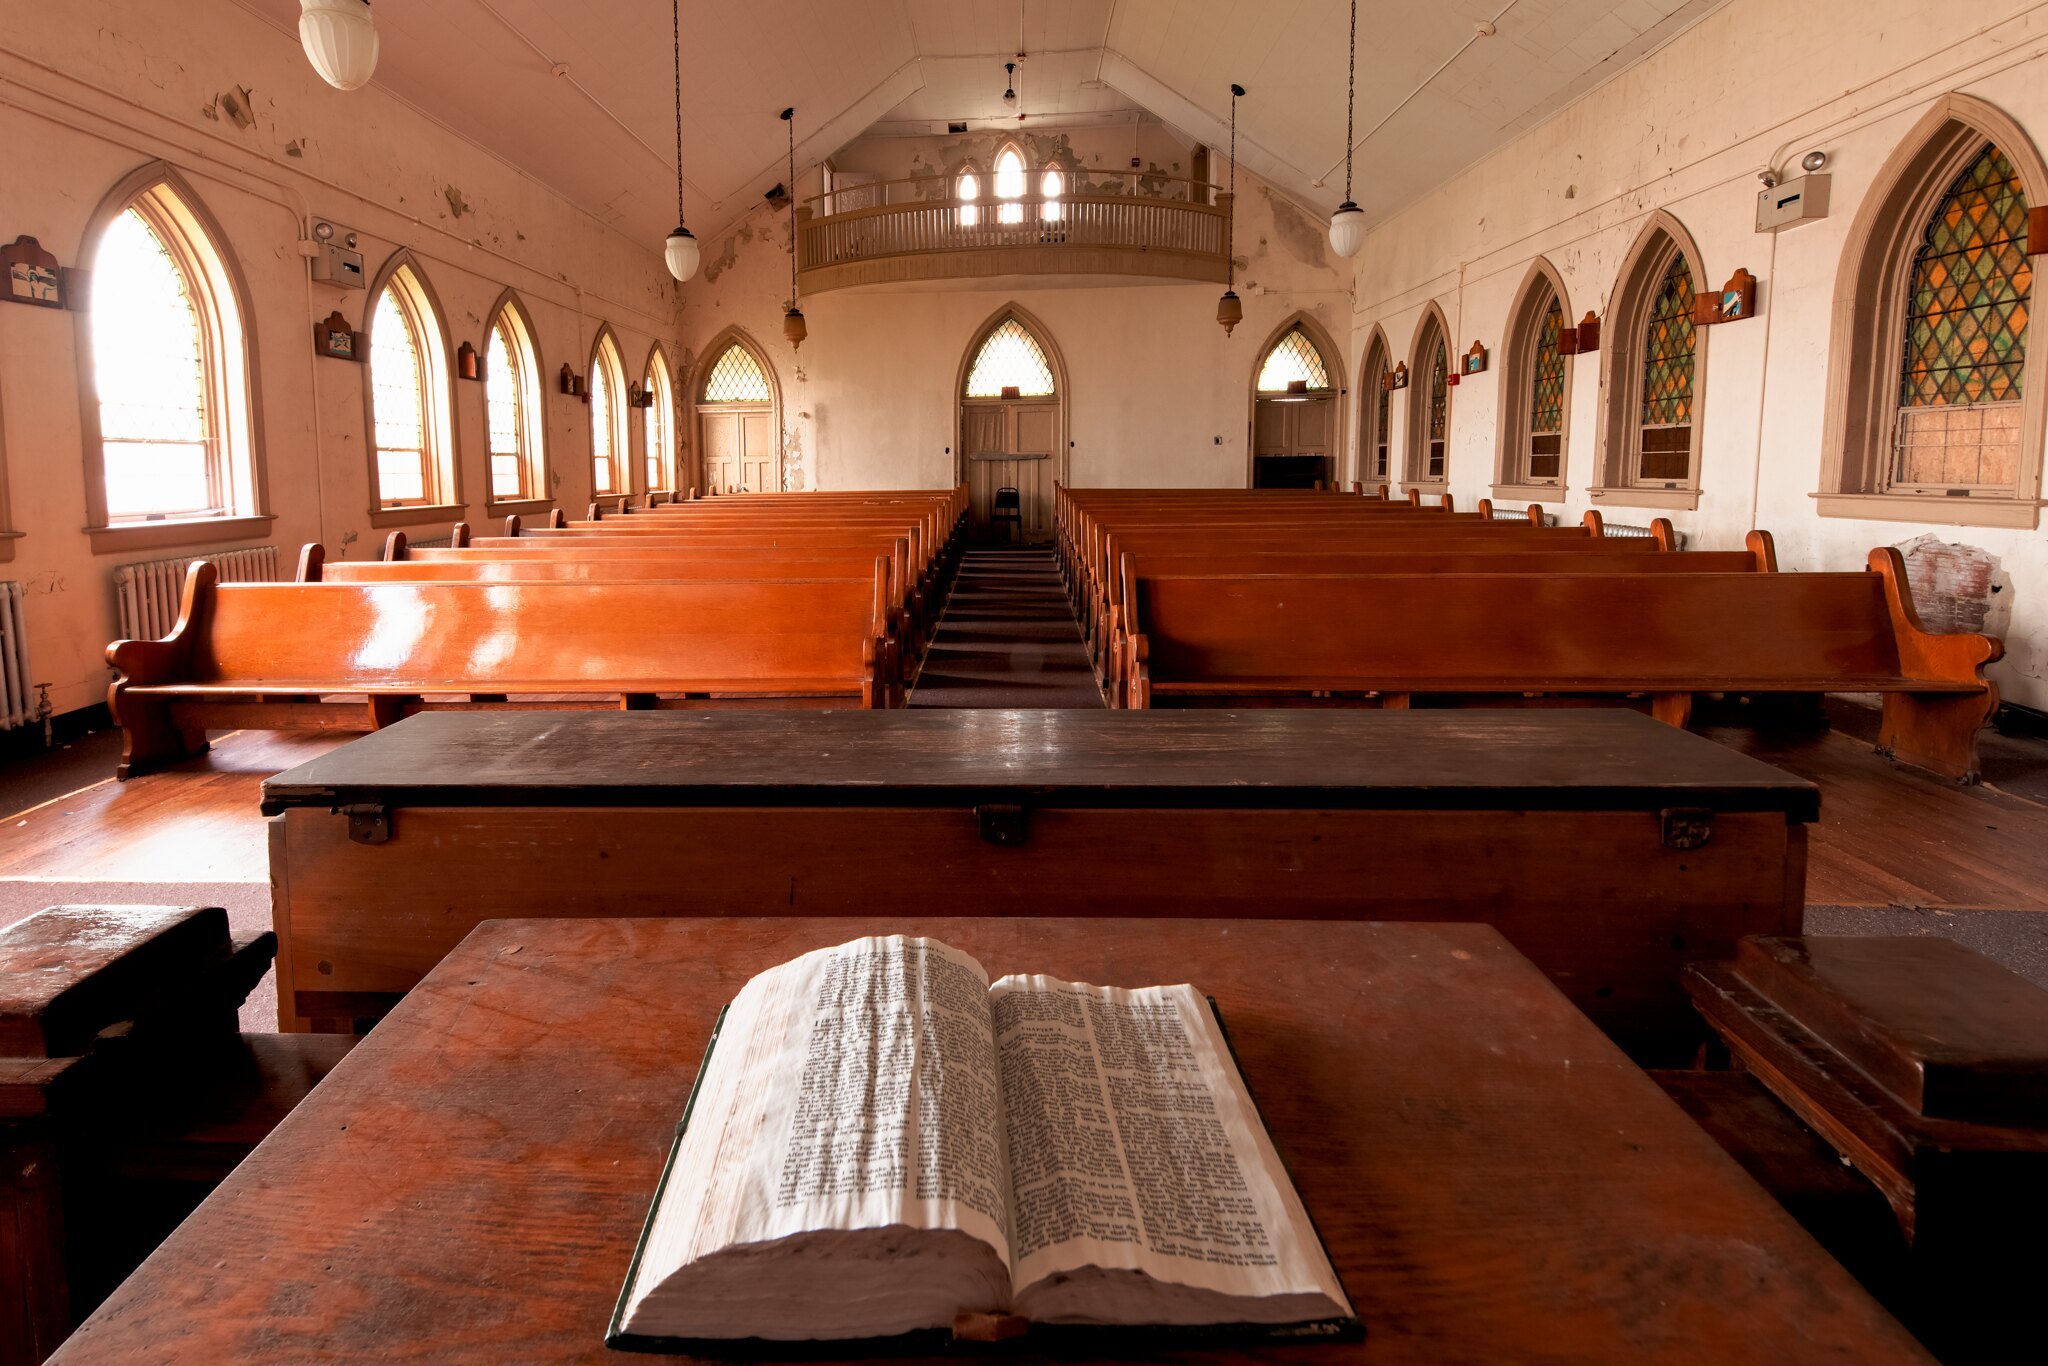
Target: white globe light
x: 683, y: 253
x: 340, y: 40
x: 1347, y: 229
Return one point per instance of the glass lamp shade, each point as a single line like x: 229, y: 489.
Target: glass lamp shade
x: 340, y: 40
x: 795, y: 328
x: 1347, y: 229
x: 683, y: 253
x: 1229, y: 311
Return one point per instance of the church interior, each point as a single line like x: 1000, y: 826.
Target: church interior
x: 1494, y: 540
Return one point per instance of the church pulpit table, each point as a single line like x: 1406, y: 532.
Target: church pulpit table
x: 1612, y: 850
x: 1495, y: 1181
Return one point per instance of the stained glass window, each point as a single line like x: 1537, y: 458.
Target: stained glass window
x: 150, y: 369
x: 736, y: 377
x: 661, y: 424
x: 1966, y: 335
x: 1669, y: 356
x: 1546, y: 396
x: 607, y: 398
x: 507, y: 393
x: 1293, y: 357
x: 1439, y: 410
x: 1010, y: 358
x: 398, y: 402
x: 1383, y: 404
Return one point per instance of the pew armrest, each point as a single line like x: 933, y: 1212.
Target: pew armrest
x: 1937, y: 732
x: 143, y: 662
x: 1947, y: 657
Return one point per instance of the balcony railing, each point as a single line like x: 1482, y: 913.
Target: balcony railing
x: 1151, y: 231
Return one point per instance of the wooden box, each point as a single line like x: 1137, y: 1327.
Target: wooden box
x: 1610, y: 849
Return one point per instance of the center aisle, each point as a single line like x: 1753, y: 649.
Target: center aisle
x: 1007, y: 639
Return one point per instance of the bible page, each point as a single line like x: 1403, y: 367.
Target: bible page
x: 853, y: 1088
x: 1136, y: 1152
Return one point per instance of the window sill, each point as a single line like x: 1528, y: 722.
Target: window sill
x: 415, y: 516
x: 7, y: 540
x: 2023, y: 514
x: 129, y: 536
x: 1673, y: 500
x: 1529, y: 493
x: 518, y: 507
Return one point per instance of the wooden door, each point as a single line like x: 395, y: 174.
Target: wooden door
x: 1015, y: 444
x: 1292, y: 441
x: 738, y: 449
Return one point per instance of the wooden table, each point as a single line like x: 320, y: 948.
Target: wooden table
x: 1576, y: 832
x: 1495, y: 1181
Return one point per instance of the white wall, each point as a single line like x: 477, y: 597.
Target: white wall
x: 1758, y: 82
x: 92, y: 90
x: 1159, y: 395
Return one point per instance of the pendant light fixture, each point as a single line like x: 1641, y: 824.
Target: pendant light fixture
x: 340, y: 40
x: 1347, y: 225
x: 1010, y: 86
x: 793, y: 325
x: 1230, y: 308
x: 681, y: 249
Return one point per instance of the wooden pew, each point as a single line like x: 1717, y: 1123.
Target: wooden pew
x: 271, y: 655
x: 1446, y: 639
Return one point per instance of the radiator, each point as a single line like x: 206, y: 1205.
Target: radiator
x: 1641, y: 533
x: 147, y: 591
x: 17, y: 702
x: 436, y: 543
x: 1519, y: 515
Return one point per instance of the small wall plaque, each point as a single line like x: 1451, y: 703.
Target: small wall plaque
x: 1589, y: 332
x: 33, y: 275
x: 335, y: 339
x: 1475, y: 360
x: 466, y: 366
x: 1735, y: 301
x: 1396, y: 378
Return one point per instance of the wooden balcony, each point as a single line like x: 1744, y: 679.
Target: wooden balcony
x: 1141, y: 235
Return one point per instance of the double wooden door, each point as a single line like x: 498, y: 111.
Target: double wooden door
x: 1292, y: 441
x: 1013, y: 443
x: 737, y: 449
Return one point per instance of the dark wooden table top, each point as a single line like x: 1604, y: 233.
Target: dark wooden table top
x: 1342, y: 758
x: 1495, y: 1181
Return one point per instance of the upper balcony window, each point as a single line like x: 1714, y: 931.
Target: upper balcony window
x: 1010, y: 182
x: 1051, y: 186
x: 969, y: 188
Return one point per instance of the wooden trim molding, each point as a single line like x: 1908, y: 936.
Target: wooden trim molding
x: 1511, y: 406
x: 1518, y: 494
x: 1415, y: 443
x: 171, y: 533
x: 533, y: 410
x: 519, y: 506
x: 417, y: 514
x: 1333, y: 366
x: 1368, y: 390
x: 1631, y: 496
x: 422, y: 306
x: 1868, y: 323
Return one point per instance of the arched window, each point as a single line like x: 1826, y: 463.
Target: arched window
x: 1051, y: 186
x: 1010, y: 364
x: 607, y: 418
x: 660, y: 423
x: 512, y: 403
x: 968, y: 187
x: 1429, y: 403
x: 1650, y: 431
x: 736, y: 377
x: 413, y: 463
x: 1377, y: 409
x: 1535, y: 386
x: 1011, y: 178
x: 1293, y: 365
x: 170, y: 370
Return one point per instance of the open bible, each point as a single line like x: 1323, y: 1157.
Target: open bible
x: 882, y: 1142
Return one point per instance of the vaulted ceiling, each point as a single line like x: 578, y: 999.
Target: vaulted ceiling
x: 581, y: 95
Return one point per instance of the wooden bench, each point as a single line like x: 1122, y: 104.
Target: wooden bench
x: 270, y: 656
x: 1446, y: 639
x: 126, y: 1095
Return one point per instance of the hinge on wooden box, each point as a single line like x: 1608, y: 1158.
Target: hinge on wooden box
x: 368, y: 823
x: 1686, y: 827
x: 1008, y: 826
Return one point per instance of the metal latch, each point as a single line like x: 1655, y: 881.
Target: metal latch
x: 1007, y: 826
x: 368, y: 823
x: 1686, y: 827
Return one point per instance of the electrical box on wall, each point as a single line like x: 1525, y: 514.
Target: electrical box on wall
x: 1796, y: 201
x: 335, y: 258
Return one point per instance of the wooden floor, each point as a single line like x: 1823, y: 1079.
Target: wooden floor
x: 1887, y: 836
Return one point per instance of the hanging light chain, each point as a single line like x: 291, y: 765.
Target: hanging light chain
x: 789, y: 117
x: 1350, y: 101
x: 676, y: 18
x: 1230, y: 223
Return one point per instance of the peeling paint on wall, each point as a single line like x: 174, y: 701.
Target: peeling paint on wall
x: 1955, y: 587
x: 457, y: 205
x: 1304, y: 237
x: 792, y: 459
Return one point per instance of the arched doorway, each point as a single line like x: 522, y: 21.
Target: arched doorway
x: 1013, y: 421
x: 739, y: 420
x: 1295, y: 419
